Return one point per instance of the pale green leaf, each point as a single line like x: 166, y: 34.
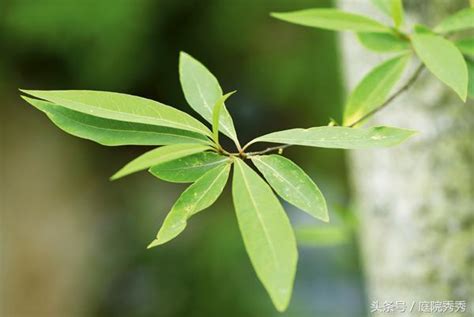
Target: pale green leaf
x: 322, y: 236
x: 396, y: 10
x: 189, y: 168
x: 121, y: 107
x: 292, y: 184
x: 466, y: 46
x: 201, y: 90
x: 267, y: 233
x: 332, y: 19
x: 470, y: 66
x: 112, y: 132
x: 384, y: 6
x: 197, y: 197
x: 460, y: 20
x: 339, y: 137
x: 383, y: 42
x: 159, y: 155
x: 216, y: 113
x: 444, y: 60
x: 374, y: 89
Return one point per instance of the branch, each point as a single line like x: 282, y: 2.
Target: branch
x: 270, y: 149
x: 405, y: 87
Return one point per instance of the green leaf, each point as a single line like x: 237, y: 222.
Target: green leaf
x: 384, y: 6
x: 322, y: 236
x: 159, y: 155
x: 444, y: 60
x: 113, y: 132
x: 396, y: 11
x: 189, y: 168
x: 197, y: 197
x: 383, y: 42
x: 292, y: 184
x: 201, y: 90
x: 466, y: 46
x: 339, y: 137
x: 216, y: 112
x: 460, y: 20
x: 470, y: 66
x: 121, y: 107
x: 374, y: 89
x: 267, y: 233
x: 332, y: 19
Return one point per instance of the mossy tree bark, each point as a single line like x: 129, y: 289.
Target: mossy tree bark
x: 415, y: 201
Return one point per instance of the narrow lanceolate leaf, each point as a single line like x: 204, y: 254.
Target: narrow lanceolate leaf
x: 339, y: 137
x: 466, y: 46
x: 470, y: 66
x: 188, y: 169
x: 216, y: 113
x: 159, y: 155
x: 267, y: 233
x: 292, y: 184
x: 201, y: 90
x: 444, y: 60
x: 396, y: 11
x: 200, y: 195
x: 121, y: 107
x: 112, y: 132
x: 461, y: 20
x: 332, y: 19
x: 383, y: 42
x: 374, y: 89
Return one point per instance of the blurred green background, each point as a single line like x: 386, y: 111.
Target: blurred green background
x: 73, y: 243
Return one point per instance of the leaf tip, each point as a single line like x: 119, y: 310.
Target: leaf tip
x: 153, y: 244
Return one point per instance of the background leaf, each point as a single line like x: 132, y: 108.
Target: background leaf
x: 267, y: 233
x: 197, y: 197
x: 292, y: 184
x: 113, y: 132
x: 201, y: 90
x: 383, y: 42
x: 374, y: 89
x: 396, y: 10
x: 122, y: 107
x: 159, y: 155
x: 470, y: 66
x: 384, y: 6
x: 339, y: 137
x: 322, y: 236
x: 466, y: 46
x: 189, y: 168
x: 332, y: 19
x: 444, y: 60
x: 460, y: 20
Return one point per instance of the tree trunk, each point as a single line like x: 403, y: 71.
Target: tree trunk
x: 414, y: 201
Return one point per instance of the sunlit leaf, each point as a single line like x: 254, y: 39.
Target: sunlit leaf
x: 292, y: 184
x: 121, y: 107
x: 339, y: 137
x: 267, y: 233
x: 112, y: 132
x: 396, y: 11
x: 460, y: 20
x: 374, y: 89
x: 332, y: 19
x: 466, y: 46
x: 197, y: 197
x: 216, y: 112
x: 159, y: 155
x: 383, y: 42
x: 201, y: 90
x: 189, y: 168
x: 444, y: 60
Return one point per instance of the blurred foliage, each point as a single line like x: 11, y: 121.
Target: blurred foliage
x: 132, y: 46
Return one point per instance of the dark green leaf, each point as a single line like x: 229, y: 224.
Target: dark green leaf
x: 189, y: 168
x: 267, y: 233
x: 332, y: 19
x: 444, y: 60
x: 292, y: 184
x: 113, y: 132
x: 374, y: 89
x: 159, y: 155
x: 466, y: 46
x: 339, y: 137
x: 121, y: 107
x: 197, y: 197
